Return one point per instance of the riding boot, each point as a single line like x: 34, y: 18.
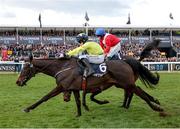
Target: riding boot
x: 88, y: 70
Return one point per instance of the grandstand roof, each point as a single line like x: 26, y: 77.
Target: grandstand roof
x: 122, y: 27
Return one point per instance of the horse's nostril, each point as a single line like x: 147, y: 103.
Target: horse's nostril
x: 18, y: 83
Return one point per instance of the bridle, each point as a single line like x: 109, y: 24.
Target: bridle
x: 31, y: 72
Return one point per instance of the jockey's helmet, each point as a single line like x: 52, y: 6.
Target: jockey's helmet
x: 100, y: 32
x: 82, y: 37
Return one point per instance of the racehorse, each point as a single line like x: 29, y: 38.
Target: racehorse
x: 127, y: 98
x: 66, y: 72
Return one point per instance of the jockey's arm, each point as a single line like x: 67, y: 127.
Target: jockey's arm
x: 76, y: 51
x: 106, y: 50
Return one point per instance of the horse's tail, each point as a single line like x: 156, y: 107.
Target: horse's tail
x: 147, y: 77
x: 147, y: 50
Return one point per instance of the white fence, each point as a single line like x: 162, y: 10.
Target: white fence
x: 11, y: 66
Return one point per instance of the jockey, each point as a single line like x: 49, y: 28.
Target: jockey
x: 88, y: 48
x: 109, y: 43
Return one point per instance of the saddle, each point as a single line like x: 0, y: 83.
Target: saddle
x: 98, y: 64
x: 100, y: 69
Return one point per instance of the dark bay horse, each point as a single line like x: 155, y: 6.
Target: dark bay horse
x: 66, y: 72
x: 127, y: 97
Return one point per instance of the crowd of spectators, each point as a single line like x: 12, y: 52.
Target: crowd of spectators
x: 22, y: 51
x: 135, y: 49
x: 55, y: 50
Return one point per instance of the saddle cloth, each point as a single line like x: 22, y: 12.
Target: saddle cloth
x: 100, y: 69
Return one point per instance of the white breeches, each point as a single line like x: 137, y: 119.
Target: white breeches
x: 115, y: 50
x: 95, y: 59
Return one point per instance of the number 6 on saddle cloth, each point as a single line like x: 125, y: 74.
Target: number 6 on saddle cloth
x: 97, y: 63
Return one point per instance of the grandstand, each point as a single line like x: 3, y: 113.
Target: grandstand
x: 18, y: 41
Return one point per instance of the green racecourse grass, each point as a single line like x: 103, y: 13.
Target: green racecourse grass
x: 58, y: 114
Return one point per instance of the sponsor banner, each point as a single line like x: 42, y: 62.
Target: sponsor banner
x: 157, y: 67
x: 11, y: 67
x: 95, y: 39
x: 7, y: 40
x: 176, y: 67
x: 176, y: 38
x: 71, y: 39
x: 142, y: 39
x: 152, y: 66
x: 29, y: 39
x: 7, y: 67
x: 163, y: 38
x: 163, y: 66
x: 37, y: 39
x: 53, y: 40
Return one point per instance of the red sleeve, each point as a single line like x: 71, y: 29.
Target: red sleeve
x: 107, y: 49
x: 102, y: 45
x: 108, y: 45
x: 111, y: 41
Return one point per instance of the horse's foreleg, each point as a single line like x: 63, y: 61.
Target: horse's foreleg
x: 51, y: 94
x: 84, y: 101
x: 92, y: 97
x: 67, y: 96
x: 127, y: 99
x: 78, y: 102
x: 138, y: 91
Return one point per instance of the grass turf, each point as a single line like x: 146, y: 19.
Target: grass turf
x: 58, y: 114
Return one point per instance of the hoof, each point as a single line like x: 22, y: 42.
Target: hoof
x: 26, y: 110
x: 123, y: 106
x: 67, y: 99
x: 163, y: 114
x: 78, y: 116
x: 105, y: 101
x: 86, y: 108
x: 157, y: 102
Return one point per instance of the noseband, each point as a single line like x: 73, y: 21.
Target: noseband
x: 31, y: 72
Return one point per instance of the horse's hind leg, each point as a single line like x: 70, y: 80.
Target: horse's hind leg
x: 138, y: 91
x: 92, y: 97
x: 150, y: 97
x: 51, y: 94
x: 78, y: 102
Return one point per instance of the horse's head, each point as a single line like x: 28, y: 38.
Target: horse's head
x: 26, y: 74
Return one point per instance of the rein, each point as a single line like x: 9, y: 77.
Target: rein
x: 61, y: 71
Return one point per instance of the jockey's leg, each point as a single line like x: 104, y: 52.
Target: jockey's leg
x: 88, y: 70
x: 114, y: 51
